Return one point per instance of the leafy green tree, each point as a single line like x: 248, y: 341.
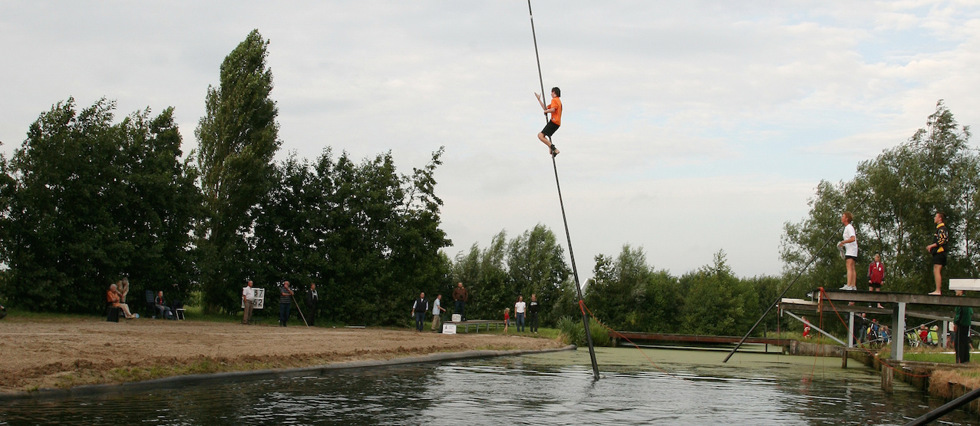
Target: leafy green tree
x: 718, y: 303
x: 368, y: 236
x: 492, y: 291
x: 89, y: 201
x: 238, y: 139
x: 415, y: 241
x: 536, y: 265
x: 627, y: 294
x: 161, y: 204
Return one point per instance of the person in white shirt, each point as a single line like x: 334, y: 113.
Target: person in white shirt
x: 437, y: 311
x: 850, y: 250
x: 248, y: 296
x: 519, y: 309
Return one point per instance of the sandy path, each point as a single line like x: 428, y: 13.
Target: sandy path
x: 63, y: 353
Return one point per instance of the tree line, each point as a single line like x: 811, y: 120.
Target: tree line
x: 625, y: 293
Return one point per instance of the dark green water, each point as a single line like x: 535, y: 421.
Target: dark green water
x: 671, y: 387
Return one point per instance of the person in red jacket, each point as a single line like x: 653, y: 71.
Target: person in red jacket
x: 876, y: 275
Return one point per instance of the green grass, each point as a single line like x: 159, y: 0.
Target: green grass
x: 930, y: 357
x: 25, y: 314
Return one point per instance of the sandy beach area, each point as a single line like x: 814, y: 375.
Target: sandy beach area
x: 62, y: 353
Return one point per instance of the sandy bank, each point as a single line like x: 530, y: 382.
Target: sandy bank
x: 68, y: 353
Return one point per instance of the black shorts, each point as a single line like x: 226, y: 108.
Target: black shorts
x: 939, y: 259
x: 876, y: 286
x: 854, y: 258
x: 550, y: 128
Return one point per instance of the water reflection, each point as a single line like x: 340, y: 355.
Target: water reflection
x: 679, y: 387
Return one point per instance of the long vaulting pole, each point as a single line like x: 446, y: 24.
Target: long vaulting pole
x: 571, y: 253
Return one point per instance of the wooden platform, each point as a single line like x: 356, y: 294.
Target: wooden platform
x: 895, y: 304
x: 888, y: 297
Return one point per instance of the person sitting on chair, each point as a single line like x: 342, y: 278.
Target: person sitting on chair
x: 161, y: 306
x: 113, y: 297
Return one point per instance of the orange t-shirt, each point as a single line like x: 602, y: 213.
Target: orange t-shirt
x: 556, y: 104
x: 112, y: 298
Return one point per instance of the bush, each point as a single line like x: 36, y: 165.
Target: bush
x: 571, y: 331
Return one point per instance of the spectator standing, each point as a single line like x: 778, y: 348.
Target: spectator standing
x: 506, y: 319
x: 312, y: 298
x: 850, y: 250
x: 962, y: 317
x: 460, y: 296
x: 520, y: 309
x: 437, y: 311
x: 418, y: 311
x: 876, y: 275
x: 532, y: 313
x: 248, y: 299
x: 861, y: 328
x: 123, y: 289
x: 806, y: 328
x: 285, y: 303
x: 938, y: 251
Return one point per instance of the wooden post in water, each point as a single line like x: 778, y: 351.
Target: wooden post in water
x: 887, y: 377
x: 843, y: 358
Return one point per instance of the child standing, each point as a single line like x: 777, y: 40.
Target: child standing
x: 506, y: 319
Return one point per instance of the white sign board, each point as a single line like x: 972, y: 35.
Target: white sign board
x: 449, y: 329
x: 457, y: 318
x: 964, y: 284
x: 259, y: 301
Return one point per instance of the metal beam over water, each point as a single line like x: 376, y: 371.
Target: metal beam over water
x: 898, y: 309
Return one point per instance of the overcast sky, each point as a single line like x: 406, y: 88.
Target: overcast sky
x: 689, y: 127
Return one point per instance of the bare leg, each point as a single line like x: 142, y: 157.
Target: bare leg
x: 937, y: 273
x: 851, y: 274
x: 124, y: 290
x: 877, y: 289
x: 544, y: 140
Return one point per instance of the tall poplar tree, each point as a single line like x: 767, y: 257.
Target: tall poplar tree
x: 238, y: 139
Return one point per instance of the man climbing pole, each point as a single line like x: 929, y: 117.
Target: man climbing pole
x: 555, y: 110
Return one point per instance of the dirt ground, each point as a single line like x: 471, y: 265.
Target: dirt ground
x: 40, y: 354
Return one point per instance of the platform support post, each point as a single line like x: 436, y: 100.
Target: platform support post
x: 898, y: 333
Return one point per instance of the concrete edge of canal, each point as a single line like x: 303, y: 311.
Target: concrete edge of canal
x: 915, y: 373
x: 320, y: 370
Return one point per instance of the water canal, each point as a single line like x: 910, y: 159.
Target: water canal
x: 554, y: 388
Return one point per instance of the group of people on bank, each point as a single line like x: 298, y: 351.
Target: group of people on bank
x: 286, y: 298
x: 524, y: 312
x: 420, y: 306
x: 116, y: 298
